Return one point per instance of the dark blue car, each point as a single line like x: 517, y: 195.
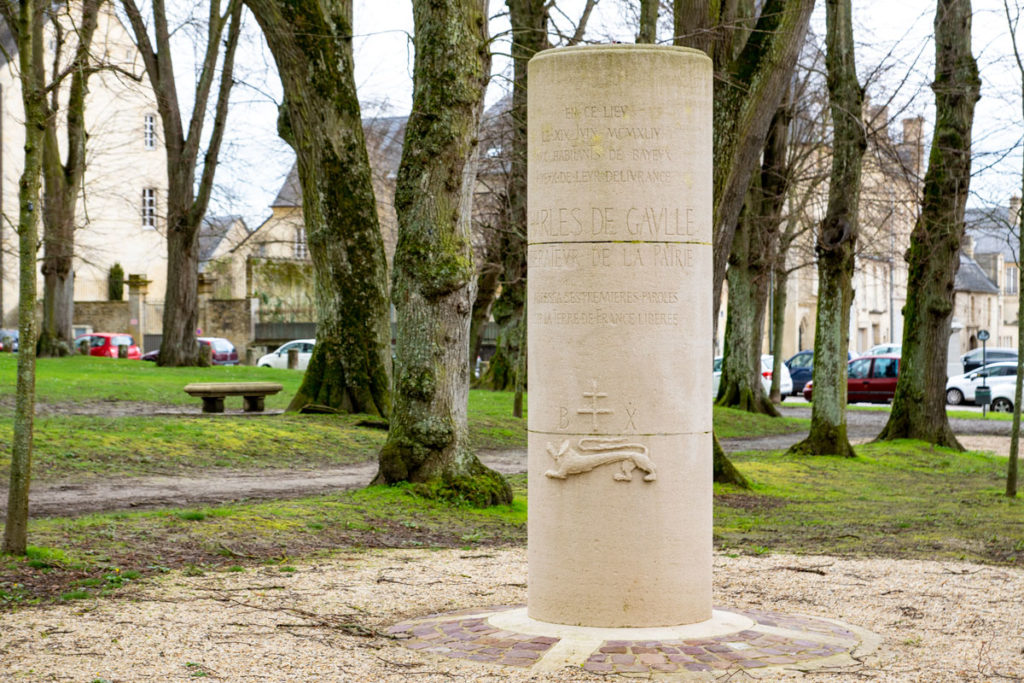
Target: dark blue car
x: 801, y: 367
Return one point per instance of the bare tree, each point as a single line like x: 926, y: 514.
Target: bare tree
x: 25, y: 21
x: 919, y: 405
x: 1012, y: 22
x: 837, y: 239
x: 752, y: 68
x: 63, y: 177
x: 187, y: 200
x: 434, y: 273
x: 754, y: 250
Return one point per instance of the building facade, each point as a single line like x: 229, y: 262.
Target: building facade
x: 120, y: 215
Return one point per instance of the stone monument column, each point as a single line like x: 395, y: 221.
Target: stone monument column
x: 620, y: 336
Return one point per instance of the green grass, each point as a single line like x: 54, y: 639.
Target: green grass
x: 900, y: 499
x: 731, y: 423
x: 105, y: 552
x: 82, y: 446
x: 895, y: 499
x: 88, y: 379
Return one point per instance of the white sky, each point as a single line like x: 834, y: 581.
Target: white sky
x: 894, y: 44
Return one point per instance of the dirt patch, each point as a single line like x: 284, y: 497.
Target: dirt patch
x: 215, y: 488
x: 743, y: 501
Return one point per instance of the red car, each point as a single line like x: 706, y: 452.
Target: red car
x: 871, y: 379
x: 105, y: 344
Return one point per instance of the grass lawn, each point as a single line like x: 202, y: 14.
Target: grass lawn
x: 88, y: 379
x: 901, y: 499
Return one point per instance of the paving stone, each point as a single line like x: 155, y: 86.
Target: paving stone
x: 456, y: 636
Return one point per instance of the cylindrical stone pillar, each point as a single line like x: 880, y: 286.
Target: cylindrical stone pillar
x: 619, y: 305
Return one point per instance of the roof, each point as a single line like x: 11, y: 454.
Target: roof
x: 384, y: 136
x: 992, y: 233
x: 971, y: 278
x: 212, y: 232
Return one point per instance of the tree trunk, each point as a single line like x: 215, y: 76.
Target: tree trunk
x: 27, y: 26
x: 754, y: 250
x: 740, y: 385
x: 724, y: 471
x: 919, y: 405
x: 648, y: 21
x: 350, y: 369
x: 486, y: 292
x: 63, y: 183
x: 187, y: 197
x: 529, y: 19
x: 179, y: 347
x: 775, y: 180
x: 432, y: 287
x: 746, y: 97
x: 837, y: 240
x: 781, y: 281
x: 1011, y: 467
x: 756, y: 67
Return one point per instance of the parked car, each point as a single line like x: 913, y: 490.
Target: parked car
x: 960, y: 388
x: 801, y: 367
x: 279, y: 357
x: 972, y: 359
x: 13, y: 336
x: 1002, y: 397
x: 105, y: 344
x: 870, y: 379
x: 885, y: 350
x: 785, y: 381
x: 222, y: 351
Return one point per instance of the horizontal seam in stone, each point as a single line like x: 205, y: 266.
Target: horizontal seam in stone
x: 537, y: 244
x: 617, y: 435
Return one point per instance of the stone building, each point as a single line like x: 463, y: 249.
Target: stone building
x: 889, y: 205
x: 991, y: 243
x: 121, y: 211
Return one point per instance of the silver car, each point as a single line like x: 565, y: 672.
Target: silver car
x: 279, y: 357
x: 785, y: 381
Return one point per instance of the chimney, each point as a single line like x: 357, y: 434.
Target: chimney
x: 878, y: 121
x: 967, y: 246
x: 913, y: 143
x: 1014, y: 210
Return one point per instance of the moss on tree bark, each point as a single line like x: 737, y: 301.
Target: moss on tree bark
x: 26, y: 23
x: 321, y: 119
x: 919, y: 405
x: 432, y: 285
x: 837, y: 239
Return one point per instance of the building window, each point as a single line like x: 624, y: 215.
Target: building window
x: 301, y: 250
x: 149, y: 207
x: 149, y: 131
x: 1012, y: 278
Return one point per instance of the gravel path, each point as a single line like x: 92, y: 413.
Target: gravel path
x: 938, y: 621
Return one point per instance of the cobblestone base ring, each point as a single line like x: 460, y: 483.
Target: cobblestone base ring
x: 753, y: 641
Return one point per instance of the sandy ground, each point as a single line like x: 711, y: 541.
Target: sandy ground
x: 939, y: 621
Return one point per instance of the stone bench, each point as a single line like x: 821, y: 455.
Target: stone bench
x: 213, y: 394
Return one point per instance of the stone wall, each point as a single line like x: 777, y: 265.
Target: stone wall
x: 103, y: 316
x: 228, y: 318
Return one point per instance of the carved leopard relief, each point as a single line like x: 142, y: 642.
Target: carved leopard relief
x: 590, y: 453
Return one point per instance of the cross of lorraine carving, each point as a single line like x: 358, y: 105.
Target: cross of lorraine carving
x: 593, y: 410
